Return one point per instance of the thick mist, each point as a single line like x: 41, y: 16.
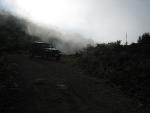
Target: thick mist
x: 67, y: 42
x: 100, y: 20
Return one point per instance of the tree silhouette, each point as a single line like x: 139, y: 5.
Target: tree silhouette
x: 144, y: 39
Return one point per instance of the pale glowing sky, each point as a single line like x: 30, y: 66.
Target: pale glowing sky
x: 101, y: 20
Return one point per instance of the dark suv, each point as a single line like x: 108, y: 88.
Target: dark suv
x: 44, y: 50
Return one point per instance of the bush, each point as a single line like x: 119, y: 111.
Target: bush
x: 13, y: 38
x: 127, y: 66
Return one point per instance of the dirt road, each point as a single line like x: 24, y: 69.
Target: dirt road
x: 58, y: 87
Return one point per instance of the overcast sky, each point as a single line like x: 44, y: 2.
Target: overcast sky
x: 101, y: 20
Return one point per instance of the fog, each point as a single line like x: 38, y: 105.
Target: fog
x: 99, y: 20
x: 67, y: 42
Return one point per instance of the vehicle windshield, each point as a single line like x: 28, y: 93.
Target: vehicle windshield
x: 45, y: 45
